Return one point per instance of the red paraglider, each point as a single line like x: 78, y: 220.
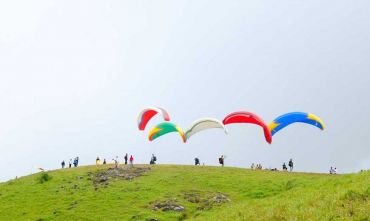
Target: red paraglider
x: 148, y: 113
x: 248, y: 117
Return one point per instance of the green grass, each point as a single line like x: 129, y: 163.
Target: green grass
x: 71, y: 194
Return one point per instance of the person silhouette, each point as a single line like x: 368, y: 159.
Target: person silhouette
x: 290, y: 164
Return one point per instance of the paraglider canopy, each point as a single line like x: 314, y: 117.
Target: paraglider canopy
x: 248, y: 117
x: 148, y: 113
x: 295, y: 117
x: 165, y: 128
x: 203, y: 124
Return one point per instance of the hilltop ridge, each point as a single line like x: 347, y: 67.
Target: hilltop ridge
x: 170, y: 192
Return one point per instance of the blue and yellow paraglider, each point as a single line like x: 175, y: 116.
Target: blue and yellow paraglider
x: 295, y: 117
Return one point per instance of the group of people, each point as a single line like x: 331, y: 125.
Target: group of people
x: 290, y: 164
x: 116, y: 161
x: 258, y: 166
x: 75, y: 162
x: 221, y: 160
x: 153, y: 160
x: 333, y: 170
x: 98, y: 162
x: 131, y: 159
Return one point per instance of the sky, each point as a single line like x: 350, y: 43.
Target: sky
x: 74, y: 76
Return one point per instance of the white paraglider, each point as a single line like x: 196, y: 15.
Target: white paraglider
x: 204, y: 124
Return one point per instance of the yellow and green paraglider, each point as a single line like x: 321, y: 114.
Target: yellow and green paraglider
x: 165, y: 128
x: 295, y: 117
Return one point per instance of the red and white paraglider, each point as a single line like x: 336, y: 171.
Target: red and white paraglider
x: 249, y: 118
x: 148, y: 113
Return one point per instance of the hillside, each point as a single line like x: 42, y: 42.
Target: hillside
x: 167, y: 192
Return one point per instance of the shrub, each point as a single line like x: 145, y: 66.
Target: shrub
x: 290, y: 184
x: 44, y: 177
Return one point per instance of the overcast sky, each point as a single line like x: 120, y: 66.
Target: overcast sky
x: 75, y: 74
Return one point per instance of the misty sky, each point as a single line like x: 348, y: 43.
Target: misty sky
x: 75, y: 74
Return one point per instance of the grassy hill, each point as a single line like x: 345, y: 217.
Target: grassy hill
x: 167, y: 192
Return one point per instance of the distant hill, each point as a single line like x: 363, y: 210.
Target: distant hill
x: 169, y: 192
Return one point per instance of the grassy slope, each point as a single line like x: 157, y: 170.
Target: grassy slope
x: 255, y: 195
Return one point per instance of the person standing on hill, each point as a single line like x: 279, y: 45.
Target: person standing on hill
x: 104, y: 162
x: 221, y: 160
x: 197, y: 161
x: 63, y: 164
x: 97, y: 161
x: 284, y: 167
x: 290, y: 164
x: 70, y: 163
x: 115, y: 163
x: 131, y: 161
x: 153, y: 159
x: 76, y: 161
x: 126, y: 157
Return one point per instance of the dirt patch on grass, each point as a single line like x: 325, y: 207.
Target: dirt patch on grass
x: 104, y: 176
x: 206, y: 201
x: 202, y: 201
x: 167, y: 205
